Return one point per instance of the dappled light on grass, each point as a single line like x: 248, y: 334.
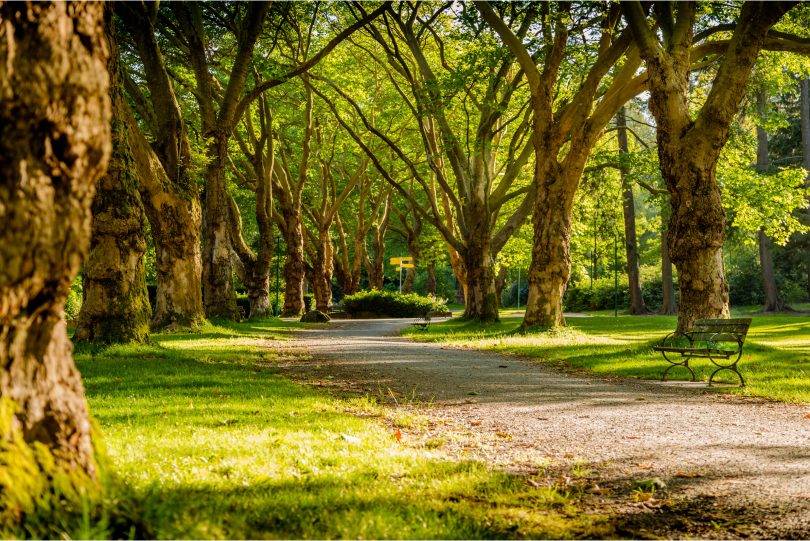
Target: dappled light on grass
x: 207, y: 439
x: 775, y: 361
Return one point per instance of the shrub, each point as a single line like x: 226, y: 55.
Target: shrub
x: 390, y: 304
x: 580, y: 297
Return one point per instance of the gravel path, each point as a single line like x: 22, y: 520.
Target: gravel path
x: 748, y: 453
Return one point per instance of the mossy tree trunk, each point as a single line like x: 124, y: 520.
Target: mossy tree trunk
x: 168, y: 191
x: 689, y: 147
x: 54, y: 146
x: 116, y: 304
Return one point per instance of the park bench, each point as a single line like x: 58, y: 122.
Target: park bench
x: 422, y: 321
x: 705, y: 339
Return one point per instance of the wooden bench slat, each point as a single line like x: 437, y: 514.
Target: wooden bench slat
x: 694, y: 350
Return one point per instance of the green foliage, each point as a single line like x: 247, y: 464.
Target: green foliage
x: 73, y: 304
x: 581, y: 297
x: 390, y: 304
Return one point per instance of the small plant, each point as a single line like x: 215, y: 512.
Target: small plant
x: 579, y: 471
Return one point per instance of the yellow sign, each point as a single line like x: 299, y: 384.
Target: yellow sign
x: 408, y: 265
x: 398, y: 260
x: 398, y: 268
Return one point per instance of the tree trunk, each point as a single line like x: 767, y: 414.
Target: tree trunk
x: 668, y: 306
x: 219, y: 295
x: 375, y: 268
x: 54, y: 146
x: 551, y: 254
x: 321, y: 272
x: 805, y: 127
x: 174, y: 216
x: 294, y: 264
x: 116, y: 304
x: 500, y: 282
x: 637, y: 306
x: 773, y: 301
x: 430, y: 286
x: 482, y: 298
x: 168, y: 190
x: 461, y: 297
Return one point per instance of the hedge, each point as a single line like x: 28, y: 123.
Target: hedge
x: 386, y: 303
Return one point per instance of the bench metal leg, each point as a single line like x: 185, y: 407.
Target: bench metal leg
x: 685, y: 364
x: 733, y: 368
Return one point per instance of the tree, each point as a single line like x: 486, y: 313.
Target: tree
x: 564, y: 137
x: 166, y: 185
x: 116, y: 306
x: 54, y: 146
x: 253, y: 269
x: 637, y: 306
x: 688, y: 147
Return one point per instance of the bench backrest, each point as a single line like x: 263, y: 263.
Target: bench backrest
x: 729, y: 329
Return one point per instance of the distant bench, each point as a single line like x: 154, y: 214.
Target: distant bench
x: 422, y: 321
x: 704, y: 341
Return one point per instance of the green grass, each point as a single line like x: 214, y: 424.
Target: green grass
x: 207, y: 439
x: 775, y: 361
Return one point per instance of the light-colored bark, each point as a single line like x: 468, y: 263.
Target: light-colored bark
x: 115, y: 307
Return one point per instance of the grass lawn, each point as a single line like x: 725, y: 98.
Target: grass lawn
x: 775, y: 361
x: 207, y: 439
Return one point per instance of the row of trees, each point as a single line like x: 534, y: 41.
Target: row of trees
x: 202, y: 129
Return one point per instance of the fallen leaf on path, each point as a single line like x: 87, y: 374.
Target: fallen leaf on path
x: 595, y: 490
x: 633, y: 437
x: 542, y: 418
x: 688, y: 474
x: 808, y: 415
x: 501, y: 366
x: 398, y: 435
x: 532, y: 483
x: 648, y: 466
x: 472, y: 393
x: 533, y: 472
x: 504, y: 435
x: 641, y: 398
x: 564, y: 480
x: 476, y: 423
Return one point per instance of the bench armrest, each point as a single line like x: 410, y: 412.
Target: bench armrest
x: 686, y: 334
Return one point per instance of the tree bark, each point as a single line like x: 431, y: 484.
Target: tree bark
x: 167, y: 188
x: 461, y: 297
x: 689, y: 147
x: 54, y: 146
x: 482, y: 298
x: 219, y: 295
x: 116, y: 304
x: 430, y: 286
x: 294, y: 264
x: 500, y: 282
x: 637, y: 306
x: 669, y: 307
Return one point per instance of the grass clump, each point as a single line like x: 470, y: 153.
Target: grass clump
x: 207, y: 439
x: 775, y: 361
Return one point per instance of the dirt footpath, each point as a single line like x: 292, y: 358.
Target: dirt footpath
x: 726, y: 467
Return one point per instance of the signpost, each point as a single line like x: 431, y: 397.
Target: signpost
x: 401, y: 261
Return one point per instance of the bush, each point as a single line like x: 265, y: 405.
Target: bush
x: 580, y: 297
x: 390, y: 304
